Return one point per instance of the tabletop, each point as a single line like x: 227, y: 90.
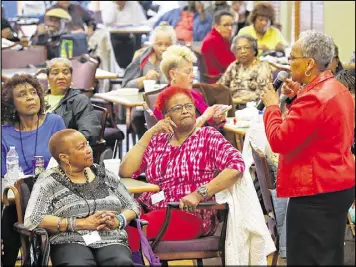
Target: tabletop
x: 129, y: 100
x: 136, y: 186
x: 139, y: 29
x: 100, y: 73
x: 132, y: 185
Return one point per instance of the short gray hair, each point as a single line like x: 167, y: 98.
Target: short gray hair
x: 56, y: 60
x: 319, y: 46
x: 249, y: 38
x: 164, y: 28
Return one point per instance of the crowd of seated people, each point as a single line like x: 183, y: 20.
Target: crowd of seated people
x: 187, y: 124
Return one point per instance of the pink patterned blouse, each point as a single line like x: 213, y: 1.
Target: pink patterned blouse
x: 180, y: 170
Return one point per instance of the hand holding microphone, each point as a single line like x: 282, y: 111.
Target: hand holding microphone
x: 270, y: 96
x: 290, y: 88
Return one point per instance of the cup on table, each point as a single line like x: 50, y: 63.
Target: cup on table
x: 149, y: 85
x: 112, y: 165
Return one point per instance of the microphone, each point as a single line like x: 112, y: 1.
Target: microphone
x: 281, y: 77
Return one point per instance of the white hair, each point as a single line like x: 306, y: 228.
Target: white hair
x: 174, y: 56
x: 163, y: 28
x: 319, y: 46
x: 55, y: 60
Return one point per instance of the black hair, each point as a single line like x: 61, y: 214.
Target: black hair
x: 218, y: 15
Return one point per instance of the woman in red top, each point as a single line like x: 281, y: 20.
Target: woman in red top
x: 316, y: 168
x: 189, y: 164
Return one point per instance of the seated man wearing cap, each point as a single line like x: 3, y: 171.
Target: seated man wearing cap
x: 49, y: 33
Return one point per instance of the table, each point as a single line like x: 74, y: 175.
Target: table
x: 132, y: 185
x: 137, y: 187
x: 129, y: 101
x: 135, y: 29
x: 99, y: 75
x: 239, y: 134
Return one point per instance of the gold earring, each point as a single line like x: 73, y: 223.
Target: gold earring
x: 305, y: 73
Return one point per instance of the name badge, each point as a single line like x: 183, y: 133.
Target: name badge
x: 158, y: 197
x: 91, y: 238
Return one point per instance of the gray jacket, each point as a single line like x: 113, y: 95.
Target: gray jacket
x: 78, y: 113
x: 135, y: 69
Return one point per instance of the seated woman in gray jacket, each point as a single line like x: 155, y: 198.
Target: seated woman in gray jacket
x: 145, y: 66
x: 73, y: 106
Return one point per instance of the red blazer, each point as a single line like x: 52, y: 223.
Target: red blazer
x: 216, y: 53
x: 314, y: 140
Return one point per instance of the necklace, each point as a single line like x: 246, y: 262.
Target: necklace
x: 38, y: 121
x: 76, y: 191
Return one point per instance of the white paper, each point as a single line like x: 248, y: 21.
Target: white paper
x: 91, y: 238
x: 158, y: 197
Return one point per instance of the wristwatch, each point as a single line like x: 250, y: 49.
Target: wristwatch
x: 203, y: 191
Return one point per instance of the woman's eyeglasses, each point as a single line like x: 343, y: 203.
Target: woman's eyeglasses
x: 246, y: 48
x: 179, y: 108
x: 291, y: 58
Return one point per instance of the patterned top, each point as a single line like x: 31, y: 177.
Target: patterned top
x: 53, y: 194
x: 180, y: 170
x: 247, y: 82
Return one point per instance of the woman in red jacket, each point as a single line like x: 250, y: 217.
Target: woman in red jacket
x: 316, y: 168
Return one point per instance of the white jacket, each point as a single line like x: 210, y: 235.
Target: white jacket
x: 248, y: 241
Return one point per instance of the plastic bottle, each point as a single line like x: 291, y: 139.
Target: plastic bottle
x: 13, y: 171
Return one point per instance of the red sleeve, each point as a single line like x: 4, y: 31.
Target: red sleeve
x: 302, y: 119
x: 222, y: 57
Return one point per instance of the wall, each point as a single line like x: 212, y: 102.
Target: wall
x: 339, y: 22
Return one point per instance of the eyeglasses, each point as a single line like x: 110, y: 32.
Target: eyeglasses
x: 291, y: 58
x: 179, y: 108
x: 227, y: 25
x: 239, y: 49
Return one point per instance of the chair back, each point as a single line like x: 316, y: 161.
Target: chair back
x: 84, y: 69
x: 263, y: 177
x: 102, y: 115
x: 12, y: 59
x: 204, y: 76
x: 265, y: 181
x: 150, y: 99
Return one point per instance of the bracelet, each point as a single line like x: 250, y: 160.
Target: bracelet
x: 68, y: 224
x: 122, y: 221
x: 74, y: 224
x: 144, y: 147
x: 59, y: 225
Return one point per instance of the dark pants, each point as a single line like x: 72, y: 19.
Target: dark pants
x: 316, y: 228
x: 78, y: 255
x: 10, y: 238
x: 124, y: 46
x: 138, y: 123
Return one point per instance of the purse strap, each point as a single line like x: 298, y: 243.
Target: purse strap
x: 146, y: 247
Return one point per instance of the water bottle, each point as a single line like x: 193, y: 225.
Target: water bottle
x: 13, y: 171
